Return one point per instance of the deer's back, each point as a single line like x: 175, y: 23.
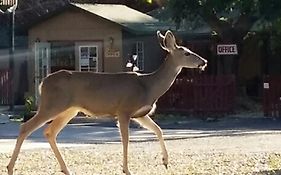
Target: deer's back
x: 96, y: 92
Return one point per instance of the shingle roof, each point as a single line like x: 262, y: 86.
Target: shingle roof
x: 126, y: 17
x: 120, y: 14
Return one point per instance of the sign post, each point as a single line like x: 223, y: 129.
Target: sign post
x: 11, y: 12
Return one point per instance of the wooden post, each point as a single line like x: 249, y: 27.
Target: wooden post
x: 12, y: 11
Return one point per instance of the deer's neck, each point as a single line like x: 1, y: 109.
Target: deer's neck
x: 162, y: 79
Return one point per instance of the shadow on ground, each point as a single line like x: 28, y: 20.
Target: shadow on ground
x: 268, y: 172
x: 104, y: 131
x: 261, y: 123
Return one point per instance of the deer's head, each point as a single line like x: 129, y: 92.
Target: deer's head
x: 182, y: 56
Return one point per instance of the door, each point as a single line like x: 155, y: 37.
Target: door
x: 88, y: 58
x: 42, y: 65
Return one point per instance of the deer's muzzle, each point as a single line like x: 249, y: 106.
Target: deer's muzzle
x: 203, y: 65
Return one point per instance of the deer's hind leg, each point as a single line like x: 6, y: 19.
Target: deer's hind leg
x: 53, y: 130
x: 26, y: 129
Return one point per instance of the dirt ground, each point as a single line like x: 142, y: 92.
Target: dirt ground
x: 251, y: 153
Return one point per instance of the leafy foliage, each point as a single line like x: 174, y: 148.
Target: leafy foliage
x: 29, y: 104
x: 233, y: 21
x: 226, y: 11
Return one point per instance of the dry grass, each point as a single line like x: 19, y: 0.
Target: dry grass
x: 145, y: 159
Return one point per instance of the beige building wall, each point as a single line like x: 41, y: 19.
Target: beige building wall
x: 79, y: 26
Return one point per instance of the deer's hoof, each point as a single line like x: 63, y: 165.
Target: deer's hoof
x: 127, y: 172
x: 10, y: 170
x: 166, y: 166
x: 66, y: 172
x: 165, y: 162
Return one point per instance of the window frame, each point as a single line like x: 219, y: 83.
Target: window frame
x: 139, y: 51
x: 89, y: 68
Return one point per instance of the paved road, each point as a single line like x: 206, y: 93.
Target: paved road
x: 227, y: 146
x: 104, y: 132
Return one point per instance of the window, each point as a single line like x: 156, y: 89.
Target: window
x: 62, y: 56
x: 88, y: 58
x: 139, y: 50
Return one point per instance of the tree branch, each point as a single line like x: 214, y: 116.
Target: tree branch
x: 244, y: 24
x: 215, y: 23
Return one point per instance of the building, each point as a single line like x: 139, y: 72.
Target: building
x: 91, y: 37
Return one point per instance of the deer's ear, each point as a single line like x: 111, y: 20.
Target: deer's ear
x: 170, y: 41
x: 161, y: 39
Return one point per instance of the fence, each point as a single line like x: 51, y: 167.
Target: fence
x: 7, y: 2
x: 206, y: 94
x: 272, y: 96
x: 5, y: 87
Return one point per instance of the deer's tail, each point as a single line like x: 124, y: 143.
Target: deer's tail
x: 40, y: 87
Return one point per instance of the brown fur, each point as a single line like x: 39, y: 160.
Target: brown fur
x: 121, y: 95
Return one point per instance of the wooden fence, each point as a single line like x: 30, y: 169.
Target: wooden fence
x: 272, y: 96
x: 7, y: 2
x: 5, y: 87
x: 205, y: 94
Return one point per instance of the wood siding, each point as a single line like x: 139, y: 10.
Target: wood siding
x: 79, y: 26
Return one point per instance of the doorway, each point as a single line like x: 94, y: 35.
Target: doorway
x: 89, y: 56
x: 42, y: 64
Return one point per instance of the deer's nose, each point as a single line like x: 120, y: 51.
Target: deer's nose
x: 203, y: 64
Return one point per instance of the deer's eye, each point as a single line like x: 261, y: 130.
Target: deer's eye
x: 186, y: 53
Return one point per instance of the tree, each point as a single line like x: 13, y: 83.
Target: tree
x: 230, y: 20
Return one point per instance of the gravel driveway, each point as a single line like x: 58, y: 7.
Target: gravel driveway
x: 194, y: 151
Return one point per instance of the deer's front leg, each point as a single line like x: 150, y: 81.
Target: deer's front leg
x: 148, y: 123
x: 124, y: 131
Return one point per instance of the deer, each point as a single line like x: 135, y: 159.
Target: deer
x: 125, y: 96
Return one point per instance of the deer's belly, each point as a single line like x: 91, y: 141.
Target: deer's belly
x: 96, y: 113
